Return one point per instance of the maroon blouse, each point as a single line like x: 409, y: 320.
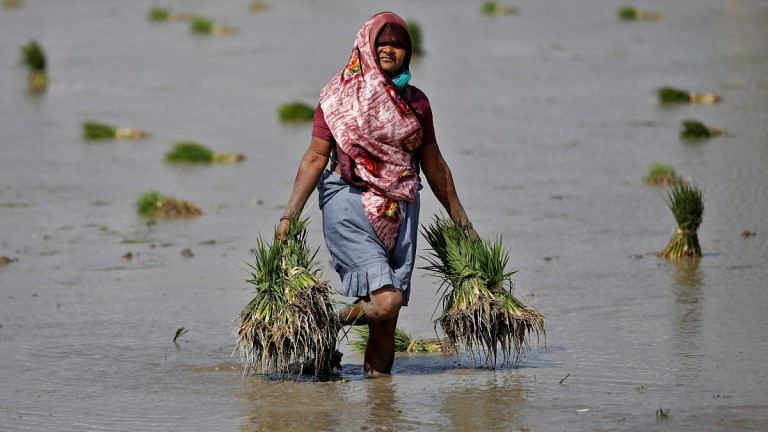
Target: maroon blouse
x: 423, y: 110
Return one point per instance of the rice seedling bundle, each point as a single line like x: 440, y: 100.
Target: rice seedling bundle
x: 295, y: 112
x: 687, y: 206
x: 11, y: 4
x: 291, y: 319
x: 257, y: 6
x: 480, y: 314
x: 669, y: 95
x: 630, y: 13
x: 661, y: 174
x: 696, y: 130
x: 101, y: 131
x: 205, y: 26
x: 404, y: 343
x: 155, y: 204
x: 34, y: 58
x: 414, y: 30
x: 493, y: 8
x: 192, y: 152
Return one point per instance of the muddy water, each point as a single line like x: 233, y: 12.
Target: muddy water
x: 548, y: 120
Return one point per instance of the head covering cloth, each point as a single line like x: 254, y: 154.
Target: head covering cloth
x: 376, y: 128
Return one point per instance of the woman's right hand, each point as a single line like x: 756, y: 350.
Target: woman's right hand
x: 282, y: 229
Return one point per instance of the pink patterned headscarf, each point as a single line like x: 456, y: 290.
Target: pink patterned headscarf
x: 377, y: 129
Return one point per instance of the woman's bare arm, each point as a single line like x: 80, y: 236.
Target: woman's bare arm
x: 441, y: 182
x: 312, y: 165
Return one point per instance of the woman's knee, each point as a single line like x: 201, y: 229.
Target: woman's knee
x: 385, y: 303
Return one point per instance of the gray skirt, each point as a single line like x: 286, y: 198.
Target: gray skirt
x: 359, y: 257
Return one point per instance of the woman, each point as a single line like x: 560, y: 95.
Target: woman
x: 377, y: 130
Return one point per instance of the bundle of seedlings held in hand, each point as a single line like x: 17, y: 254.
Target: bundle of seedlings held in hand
x: 687, y: 205
x: 192, y: 152
x: 404, y: 343
x: 104, y: 131
x: 155, y: 204
x: 291, y: 319
x: 480, y: 314
x: 34, y: 58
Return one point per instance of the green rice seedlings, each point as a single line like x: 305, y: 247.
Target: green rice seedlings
x: 204, y: 26
x: 687, y: 206
x: 661, y: 174
x: 480, y: 314
x: 158, y: 14
x: 11, y: 4
x: 192, y: 152
x: 671, y: 95
x: 291, y: 319
x: 103, y: 131
x: 493, y: 8
x: 257, y: 6
x: 629, y: 13
x: 34, y: 58
x: 295, y: 112
x: 404, y: 343
x: 156, y: 205
x: 414, y: 30
x: 696, y: 130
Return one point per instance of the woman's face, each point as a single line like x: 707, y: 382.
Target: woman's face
x: 390, y: 56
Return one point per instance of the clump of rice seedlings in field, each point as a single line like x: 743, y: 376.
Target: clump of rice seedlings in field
x: 480, y: 314
x: 687, y: 206
x: 102, y: 131
x: 190, y: 151
x: 670, y: 95
x: 629, y: 13
x: 696, y: 130
x: 295, y: 112
x: 155, y: 204
x: 204, y: 26
x: 291, y: 319
x: 414, y: 29
x: 157, y: 14
x: 257, y: 6
x: 493, y: 8
x: 34, y: 58
x: 661, y: 174
x: 404, y: 343
x: 11, y: 4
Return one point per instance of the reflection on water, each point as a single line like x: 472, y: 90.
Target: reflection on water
x: 295, y: 406
x: 484, y: 404
x: 689, y: 301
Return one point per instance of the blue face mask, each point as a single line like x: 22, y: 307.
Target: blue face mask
x: 402, y: 80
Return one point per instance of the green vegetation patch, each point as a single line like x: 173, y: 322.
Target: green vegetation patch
x: 189, y: 151
x: 661, y: 174
x: 202, y: 26
x: 155, y: 204
x: 696, y: 130
x: 33, y: 57
x: 404, y: 343
x: 295, y: 112
x: 414, y: 30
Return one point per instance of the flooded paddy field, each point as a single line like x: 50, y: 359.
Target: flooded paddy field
x: 548, y: 120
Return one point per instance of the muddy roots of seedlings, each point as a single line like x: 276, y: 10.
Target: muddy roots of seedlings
x: 404, y: 343
x: 687, y: 205
x: 291, y: 324
x: 480, y: 314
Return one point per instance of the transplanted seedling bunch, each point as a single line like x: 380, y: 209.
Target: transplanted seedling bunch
x: 493, y: 8
x: 414, y: 30
x: 661, y: 174
x: 291, y: 319
x: 190, y: 151
x: 695, y: 130
x: 34, y: 59
x: 630, y: 13
x: 687, y: 205
x: 157, y: 14
x: 671, y: 95
x: 480, y: 314
x: 404, y: 343
x: 155, y: 204
x: 295, y: 112
x: 204, y: 26
x: 104, y: 131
